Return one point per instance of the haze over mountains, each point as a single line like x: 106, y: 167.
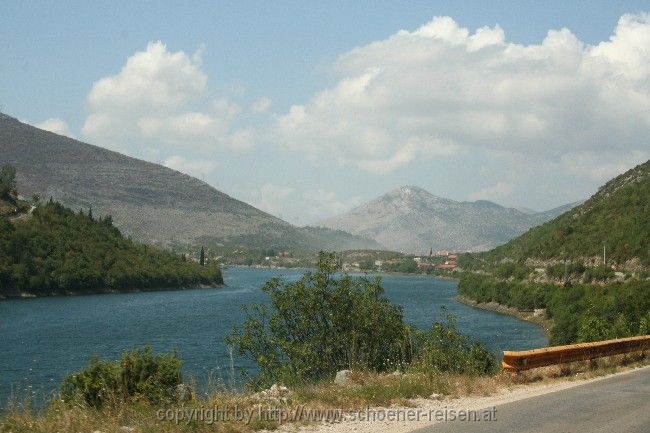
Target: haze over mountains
x: 411, y: 219
x: 152, y: 203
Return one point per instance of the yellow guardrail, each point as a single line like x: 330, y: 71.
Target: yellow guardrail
x: 527, y: 359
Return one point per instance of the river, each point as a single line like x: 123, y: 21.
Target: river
x: 44, y: 339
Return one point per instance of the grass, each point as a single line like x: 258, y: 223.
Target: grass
x: 363, y: 389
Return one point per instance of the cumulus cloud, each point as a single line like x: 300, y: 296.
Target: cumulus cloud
x: 271, y: 198
x: 322, y: 203
x: 494, y: 192
x: 160, y: 100
x: 195, y: 168
x: 311, y: 205
x: 442, y: 90
x: 262, y: 105
x: 151, y: 80
x: 56, y: 126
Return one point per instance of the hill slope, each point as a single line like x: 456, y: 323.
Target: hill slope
x: 152, y: 203
x: 619, y: 214
x: 57, y: 251
x: 411, y: 219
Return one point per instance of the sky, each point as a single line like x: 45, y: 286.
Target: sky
x: 306, y: 109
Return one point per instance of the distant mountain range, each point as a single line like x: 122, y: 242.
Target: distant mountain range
x: 151, y: 203
x: 618, y: 214
x: 411, y: 219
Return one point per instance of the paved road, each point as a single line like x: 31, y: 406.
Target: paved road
x: 616, y: 404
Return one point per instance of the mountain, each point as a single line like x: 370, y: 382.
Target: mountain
x: 618, y: 214
x: 151, y: 203
x: 412, y: 219
x: 550, y: 214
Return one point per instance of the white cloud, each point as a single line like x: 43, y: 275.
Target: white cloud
x: 602, y: 167
x: 442, y: 90
x: 321, y: 204
x: 494, y: 192
x: 271, y: 198
x: 262, y: 105
x: 224, y: 108
x: 56, y: 126
x: 195, y: 168
x: 311, y: 206
x: 242, y: 140
x: 151, y: 80
x: 152, y: 104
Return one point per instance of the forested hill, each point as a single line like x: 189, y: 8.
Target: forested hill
x: 58, y: 251
x: 618, y: 214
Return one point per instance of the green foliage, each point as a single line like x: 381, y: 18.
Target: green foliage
x: 568, y: 270
x: 580, y: 313
x: 367, y: 265
x: 518, y: 294
x: 140, y: 374
x: 599, y: 273
x: 7, y: 181
x: 514, y: 270
x: 324, y: 323
x: 58, y: 251
x: 406, y: 266
x: 443, y: 348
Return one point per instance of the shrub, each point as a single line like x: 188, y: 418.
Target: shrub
x: 321, y: 324
x: 442, y: 348
x: 140, y: 374
x: 598, y: 273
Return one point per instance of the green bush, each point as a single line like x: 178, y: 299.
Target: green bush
x: 517, y: 271
x: 442, y: 348
x: 324, y: 323
x: 599, y: 273
x: 141, y: 374
x: 321, y: 324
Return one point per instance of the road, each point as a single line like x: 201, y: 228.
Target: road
x: 617, y: 404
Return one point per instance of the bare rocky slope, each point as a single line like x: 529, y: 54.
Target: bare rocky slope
x: 411, y: 219
x: 152, y: 203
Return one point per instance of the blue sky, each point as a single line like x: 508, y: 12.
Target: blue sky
x: 308, y: 108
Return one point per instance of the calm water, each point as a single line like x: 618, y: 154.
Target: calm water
x: 44, y: 339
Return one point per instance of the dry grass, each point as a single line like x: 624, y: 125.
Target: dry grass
x: 364, y: 389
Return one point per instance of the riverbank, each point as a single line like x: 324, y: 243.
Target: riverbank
x: 537, y: 317
x: 26, y: 295
x: 351, y: 272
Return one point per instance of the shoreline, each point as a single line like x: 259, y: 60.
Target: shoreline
x: 527, y: 316
x: 25, y: 295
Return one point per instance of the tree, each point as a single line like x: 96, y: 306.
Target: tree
x: 321, y: 324
x: 7, y: 180
x: 202, y: 257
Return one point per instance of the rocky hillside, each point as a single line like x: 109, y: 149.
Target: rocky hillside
x: 152, y: 203
x: 411, y: 219
x: 618, y: 214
